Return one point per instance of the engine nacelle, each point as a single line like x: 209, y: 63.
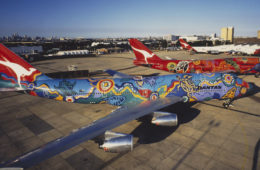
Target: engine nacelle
x: 117, y: 142
x: 165, y: 119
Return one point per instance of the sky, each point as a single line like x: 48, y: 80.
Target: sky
x: 127, y: 18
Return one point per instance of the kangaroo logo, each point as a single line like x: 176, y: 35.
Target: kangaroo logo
x: 185, y: 44
x: 144, y: 53
x: 18, y: 70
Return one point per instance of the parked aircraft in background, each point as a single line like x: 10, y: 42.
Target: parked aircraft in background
x: 137, y: 96
x: 145, y: 57
x: 234, y: 49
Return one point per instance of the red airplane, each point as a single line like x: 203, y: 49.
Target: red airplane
x: 145, y: 57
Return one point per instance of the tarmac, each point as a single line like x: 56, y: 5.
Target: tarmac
x: 208, y: 136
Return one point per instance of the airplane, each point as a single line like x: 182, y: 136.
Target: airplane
x: 137, y: 96
x: 241, y: 49
x: 145, y: 57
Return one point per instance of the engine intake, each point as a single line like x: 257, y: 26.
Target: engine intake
x: 117, y: 142
x: 165, y: 119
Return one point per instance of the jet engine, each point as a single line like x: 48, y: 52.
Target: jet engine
x: 165, y: 119
x: 117, y: 142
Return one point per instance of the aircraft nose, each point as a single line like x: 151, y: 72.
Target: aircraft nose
x: 257, y: 67
x: 252, y: 89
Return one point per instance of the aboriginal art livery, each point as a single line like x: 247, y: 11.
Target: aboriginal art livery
x: 118, y: 91
x: 235, y: 65
x: 138, y: 96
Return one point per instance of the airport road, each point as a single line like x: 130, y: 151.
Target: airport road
x: 208, y: 137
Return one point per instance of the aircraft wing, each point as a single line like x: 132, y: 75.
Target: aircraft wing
x: 97, y: 128
x: 117, y: 74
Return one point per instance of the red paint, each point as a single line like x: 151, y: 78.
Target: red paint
x: 238, y: 65
x: 144, y: 92
x: 257, y: 52
x: 33, y: 93
x: 185, y: 45
x: 7, y: 56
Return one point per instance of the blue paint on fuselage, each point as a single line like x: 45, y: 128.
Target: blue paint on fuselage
x: 197, y: 87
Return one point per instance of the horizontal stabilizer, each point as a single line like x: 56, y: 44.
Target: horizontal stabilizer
x: 6, y: 85
x: 11, y: 89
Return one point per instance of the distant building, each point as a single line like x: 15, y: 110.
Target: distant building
x: 26, y: 49
x: 193, y: 38
x: 213, y: 36
x: 72, y: 52
x: 170, y: 37
x: 258, y: 34
x: 227, y: 34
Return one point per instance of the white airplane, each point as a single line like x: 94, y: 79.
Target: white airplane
x: 242, y: 49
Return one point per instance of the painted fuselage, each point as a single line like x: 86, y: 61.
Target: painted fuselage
x: 127, y: 91
x: 236, y: 65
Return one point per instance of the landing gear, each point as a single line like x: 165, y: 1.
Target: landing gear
x: 227, y: 103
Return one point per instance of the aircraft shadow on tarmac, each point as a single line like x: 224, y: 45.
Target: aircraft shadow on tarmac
x: 256, y: 155
x: 250, y: 94
x: 147, y: 132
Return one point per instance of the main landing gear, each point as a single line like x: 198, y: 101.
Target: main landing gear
x: 227, y: 103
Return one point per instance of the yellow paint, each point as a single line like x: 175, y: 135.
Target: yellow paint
x: 169, y: 90
x: 230, y: 94
x: 105, y: 81
x: 207, y: 83
x: 44, y: 86
x: 128, y: 88
x: 35, y: 75
x: 171, y: 66
x: 209, y: 75
x: 59, y: 98
x: 196, y: 62
x: 86, y: 95
x: 192, y: 99
x: 226, y: 78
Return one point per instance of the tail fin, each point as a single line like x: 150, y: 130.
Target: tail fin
x: 142, y: 53
x: 185, y: 45
x: 15, y: 69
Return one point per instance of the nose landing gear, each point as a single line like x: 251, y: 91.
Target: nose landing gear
x: 227, y: 103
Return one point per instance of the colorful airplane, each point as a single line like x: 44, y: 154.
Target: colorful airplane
x: 145, y: 57
x: 137, y: 96
x: 242, y: 49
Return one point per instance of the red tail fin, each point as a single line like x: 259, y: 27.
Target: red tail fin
x: 142, y: 53
x: 14, y: 68
x: 185, y: 45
